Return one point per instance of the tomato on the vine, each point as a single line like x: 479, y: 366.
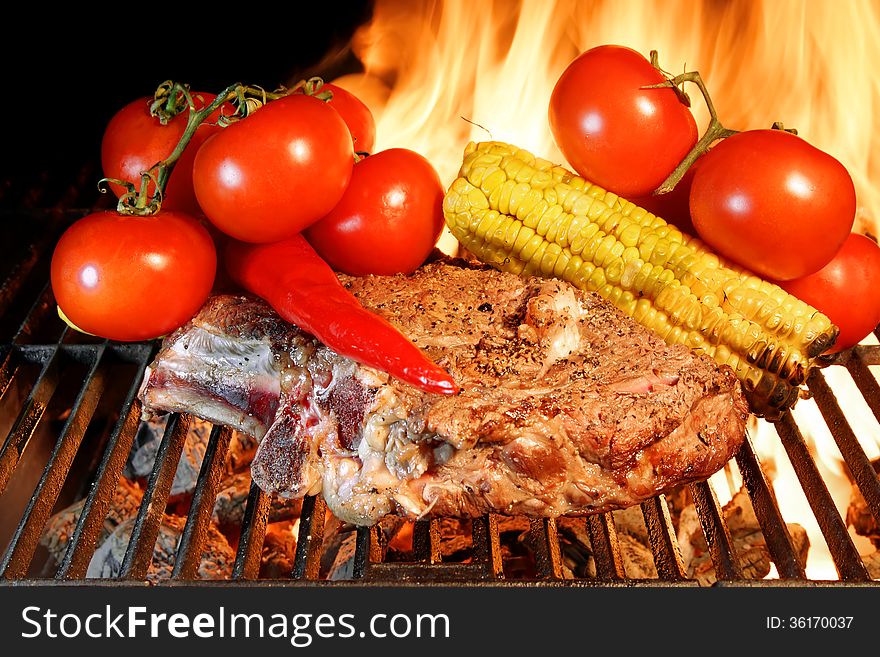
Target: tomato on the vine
x: 389, y: 218
x: 357, y: 117
x: 274, y: 173
x: 134, y: 141
x: 612, y: 130
x: 133, y: 278
x: 772, y: 202
x: 846, y: 290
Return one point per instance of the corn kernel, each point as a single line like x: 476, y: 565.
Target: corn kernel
x: 629, y: 236
x: 525, y: 214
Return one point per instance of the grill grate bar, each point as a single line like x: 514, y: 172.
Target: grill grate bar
x: 843, y: 552
x: 368, y: 551
x: 81, y: 545
x: 857, y: 461
x: 307, y: 560
x: 20, y: 359
x: 661, y: 534
x: 487, y: 545
x: 30, y: 416
x: 773, y: 525
x: 20, y: 551
x: 11, y: 285
x: 392, y: 572
x: 9, y: 365
x: 426, y: 541
x: 253, y: 531
x: 717, y: 534
x: 544, y: 540
x: 606, y: 547
x: 36, y: 314
x: 198, y: 521
x: 139, y: 553
x: 21, y: 270
x: 869, y: 353
x: 865, y: 381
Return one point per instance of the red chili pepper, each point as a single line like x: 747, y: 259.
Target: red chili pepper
x: 304, y: 290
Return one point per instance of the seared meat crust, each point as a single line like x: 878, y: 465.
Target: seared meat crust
x: 567, y: 406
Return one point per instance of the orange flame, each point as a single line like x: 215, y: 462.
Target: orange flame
x: 431, y: 67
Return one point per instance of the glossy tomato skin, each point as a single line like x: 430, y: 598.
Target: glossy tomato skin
x: 271, y: 175
x: 614, y: 133
x: 133, y: 278
x: 389, y: 218
x: 357, y: 117
x: 134, y: 141
x: 772, y: 202
x: 846, y: 290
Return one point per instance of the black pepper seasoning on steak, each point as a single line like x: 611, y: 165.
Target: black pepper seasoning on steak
x: 567, y: 406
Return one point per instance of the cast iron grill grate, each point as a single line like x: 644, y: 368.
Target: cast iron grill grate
x: 41, y: 356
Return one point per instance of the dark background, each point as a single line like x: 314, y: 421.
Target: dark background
x: 494, y: 620
x: 66, y: 71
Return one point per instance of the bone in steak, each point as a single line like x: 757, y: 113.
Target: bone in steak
x: 567, y: 406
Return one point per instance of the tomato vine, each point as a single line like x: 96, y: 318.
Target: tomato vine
x: 714, y: 131
x: 173, y: 98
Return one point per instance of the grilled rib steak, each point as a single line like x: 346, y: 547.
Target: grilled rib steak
x: 568, y: 406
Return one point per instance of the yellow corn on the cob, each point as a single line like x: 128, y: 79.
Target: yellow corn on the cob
x: 525, y: 215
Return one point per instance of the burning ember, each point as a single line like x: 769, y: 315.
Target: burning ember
x: 229, y: 507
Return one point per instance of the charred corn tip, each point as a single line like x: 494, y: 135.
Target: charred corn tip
x: 525, y: 215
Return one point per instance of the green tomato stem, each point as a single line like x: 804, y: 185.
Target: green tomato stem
x: 168, y: 101
x: 171, y: 99
x: 714, y: 131
x: 194, y: 119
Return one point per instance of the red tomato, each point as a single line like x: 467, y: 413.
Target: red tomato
x: 614, y: 133
x: 846, y: 290
x: 389, y: 218
x: 357, y: 117
x: 133, y: 278
x: 271, y: 175
x: 134, y: 141
x: 673, y: 206
x: 773, y: 203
